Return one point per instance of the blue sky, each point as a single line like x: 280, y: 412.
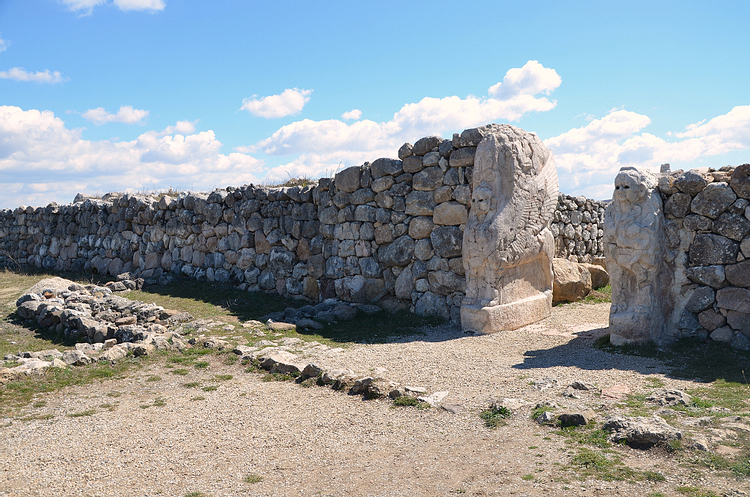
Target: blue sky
x: 139, y: 95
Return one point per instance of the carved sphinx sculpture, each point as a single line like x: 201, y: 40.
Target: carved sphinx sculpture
x: 507, y: 245
x: 633, y: 247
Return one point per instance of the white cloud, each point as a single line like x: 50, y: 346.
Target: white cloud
x: 127, y: 114
x: 324, y: 145
x: 140, y: 4
x: 86, y: 7
x: 20, y: 74
x: 589, y: 157
x: 289, y: 103
x: 36, y: 144
x: 182, y: 127
x: 531, y: 79
x: 4, y: 44
x: 353, y: 114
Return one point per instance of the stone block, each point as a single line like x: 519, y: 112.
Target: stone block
x: 420, y: 227
x: 725, y: 334
x: 348, y: 180
x: 412, y: 164
x: 428, y: 179
x: 398, y: 253
x: 702, y: 298
x: 713, y: 276
x: 734, y: 299
x: 733, y: 226
x: 572, y: 281
x: 713, y: 200
x: 709, y: 249
x: 426, y: 144
x: 420, y: 203
x: 450, y: 214
x: 740, y: 181
x: 691, y: 183
x: 739, y: 321
x: 711, y: 319
x: 739, y: 274
x: 447, y: 241
x: 463, y: 157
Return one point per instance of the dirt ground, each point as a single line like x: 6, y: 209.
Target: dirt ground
x: 221, y: 431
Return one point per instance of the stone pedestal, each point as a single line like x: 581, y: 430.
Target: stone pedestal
x: 506, y: 316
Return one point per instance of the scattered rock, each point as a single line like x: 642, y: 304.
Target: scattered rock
x: 669, y: 397
x: 641, y: 432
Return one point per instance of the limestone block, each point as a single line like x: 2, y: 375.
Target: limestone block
x: 443, y: 194
x: 348, y: 180
x: 725, y: 334
x: 572, y: 281
x: 739, y: 274
x: 447, y: 241
x: 430, y: 159
x: 382, y: 184
x: 507, y: 247
x: 713, y: 276
x: 384, y: 234
x: 420, y: 203
x: 413, y: 164
x: 398, y: 253
x: 405, y: 151
x: 430, y: 304
x: 711, y: 319
x: 450, y: 214
x: 739, y: 321
x: 446, y: 282
x: 599, y: 275
x: 678, y: 205
x: 423, y: 250
x: 404, y: 284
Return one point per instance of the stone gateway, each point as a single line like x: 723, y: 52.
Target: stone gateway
x: 507, y: 245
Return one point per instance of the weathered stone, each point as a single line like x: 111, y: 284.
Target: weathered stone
x: 713, y: 276
x: 694, y: 222
x: 734, y: 299
x: 447, y: 241
x: 430, y: 159
x: 702, y: 298
x: 599, y: 275
x: 713, y: 200
x: 281, y: 361
x: 405, y: 151
x: 412, y: 164
x: 739, y: 274
x: 507, y: 246
x: 382, y: 184
x: 450, y: 214
x: 463, y: 157
x: 580, y: 418
x: 709, y: 249
x: 641, y: 432
x: 428, y: 179
x: 739, y: 321
x: 691, y: 183
x: 426, y: 144
x: 430, y: 304
x: 678, y: 205
x: 669, y: 397
x: 740, y: 181
x: 398, y: 253
x: 348, y: 180
x: 404, y: 284
x: 420, y: 203
x: 724, y: 334
x: 423, y: 249
x: 733, y: 226
x: 572, y: 281
x: 634, y: 248
x: 75, y: 358
x: 445, y: 282
x: 711, y: 319
x: 420, y: 227
x: 384, y: 234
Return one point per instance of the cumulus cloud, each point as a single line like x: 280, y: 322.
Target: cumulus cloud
x: 41, y: 160
x: 589, y: 157
x: 328, y: 144
x: 4, y: 45
x: 531, y: 79
x: 127, y: 114
x: 20, y: 74
x: 352, y: 115
x: 289, y: 103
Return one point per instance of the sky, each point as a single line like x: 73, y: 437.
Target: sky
x: 145, y: 95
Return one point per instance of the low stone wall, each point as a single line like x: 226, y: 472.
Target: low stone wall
x: 708, y: 236
x: 388, y: 232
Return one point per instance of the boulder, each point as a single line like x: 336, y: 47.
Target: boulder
x: 572, y: 281
x: 599, y: 275
x: 641, y: 432
x: 670, y: 397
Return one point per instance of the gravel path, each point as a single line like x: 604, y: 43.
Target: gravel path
x: 316, y: 441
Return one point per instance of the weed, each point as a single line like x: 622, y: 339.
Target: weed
x: 181, y: 372
x: 191, y: 384
x: 114, y: 394
x: 201, y: 365
x: 279, y: 377
x: 527, y: 477
x: 742, y: 467
x: 496, y: 416
x: 696, y: 492
x: 223, y: 377
x: 210, y: 388
x: 654, y: 382
x: 40, y: 403
x: 539, y: 410
x: 231, y: 359
x: 252, y: 478
x: 160, y: 402
x: 653, y: 476
x: 87, y: 412
x: 599, y: 295
x: 195, y: 494
x: 153, y: 378
x: 199, y: 397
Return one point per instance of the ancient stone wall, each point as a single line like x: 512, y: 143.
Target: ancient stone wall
x: 388, y: 232
x: 707, y: 231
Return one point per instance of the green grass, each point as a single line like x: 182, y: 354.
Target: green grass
x: 201, y: 365
x: 153, y: 378
x: 252, y: 478
x: 223, y: 377
x: 191, y: 384
x: 87, y: 412
x: 537, y: 412
x: 495, y: 417
x: 589, y: 434
x: 599, y: 295
x: 279, y: 376
x: 195, y: 494
x: 589, y: 463
x: 696, y: 492
x: 527, y: 477
x: 210, y: 388
x: 407, y: 401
